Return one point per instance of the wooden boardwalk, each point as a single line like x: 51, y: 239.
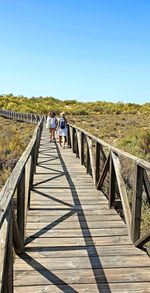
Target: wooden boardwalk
x: 74, y: 242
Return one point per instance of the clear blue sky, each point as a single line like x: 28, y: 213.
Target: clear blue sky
x: 84, y: 49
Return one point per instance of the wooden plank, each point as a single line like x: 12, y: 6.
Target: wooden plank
x: 46, y: 233
x: 92, y: 288
x: 69, y: 248
x: 68, y: 224
x: 95, y: 219
x: 105, y: 262
x: 79, y: 251
x: 109, y: 240
x: 75, y: 276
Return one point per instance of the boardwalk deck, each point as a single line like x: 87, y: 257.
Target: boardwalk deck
x: 74, y: 243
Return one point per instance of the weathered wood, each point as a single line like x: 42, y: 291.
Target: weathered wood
x: 137, y: 203
x: 68, y: 136
x: 27, y: 184
x: 73, y: 239
x: 82, y: 288
x: 3, y: 247
x: 82, y: 149
x: 8, y: 274
x: 123, y: 192
x: 140, y: 242
x: 147, y: 186
x: 89, y: 142
x: 97, y: 163
x: 104, y: 173
x: 78, y: 144
x: 112, y: 184
x: 73, y: 139
x: 17, y: 243
x: 21, y: 207
x: 139, y: 161
x: 87, y: 159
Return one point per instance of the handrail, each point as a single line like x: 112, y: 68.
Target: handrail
x: 100, y: 164
x: 15, y: 195
x: 20, y: 116
x: 14, y: 202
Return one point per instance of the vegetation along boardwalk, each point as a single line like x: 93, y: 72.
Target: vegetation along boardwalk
x: 74, y: 242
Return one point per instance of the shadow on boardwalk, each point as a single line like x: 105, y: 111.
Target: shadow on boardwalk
x: 77, y: 209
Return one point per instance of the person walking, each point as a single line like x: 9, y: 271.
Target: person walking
x: 51, y: 124
x: 62, y: 129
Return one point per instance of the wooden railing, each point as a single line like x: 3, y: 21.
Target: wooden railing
x: 104, y: 163
x: 19, y: 116
x: 14, y: 203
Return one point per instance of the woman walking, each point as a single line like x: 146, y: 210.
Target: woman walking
x: 62, y: 129
x: 52, y: 124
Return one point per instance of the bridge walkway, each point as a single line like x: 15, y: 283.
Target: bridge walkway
x: 74, y: 242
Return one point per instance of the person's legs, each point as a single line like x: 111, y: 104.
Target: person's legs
x: 53, y: 133
x: 50, y: 130
x: 60, y: 139
x: 63, y: 138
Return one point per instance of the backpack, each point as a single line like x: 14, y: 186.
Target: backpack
x: 62, y: 123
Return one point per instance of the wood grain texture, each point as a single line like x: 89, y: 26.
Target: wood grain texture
x: 74, y: 242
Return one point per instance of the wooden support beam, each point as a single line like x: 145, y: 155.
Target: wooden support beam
x: 21, y: 206
x: 97, y: 163
x: 123, y: 192
x: 147, y: 186
x: 137, y: 203
x: 89, y: 142
x: 104, y: 173
x: 112, y: 184
x: 140, y: 242
x: 82, y: 148
x: 87, y: 159
x: 8, y: 274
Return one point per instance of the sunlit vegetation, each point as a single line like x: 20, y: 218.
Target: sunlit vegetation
x: 125, y: 131
x: 42, y: 104
x: 15, y: 137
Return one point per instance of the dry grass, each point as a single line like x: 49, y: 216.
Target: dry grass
x: 15, y: 137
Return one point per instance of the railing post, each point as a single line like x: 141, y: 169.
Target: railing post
x: 76, y: 144
x: 21, y: 207
x: 112, y: 183
x: 82, y: 148
x: 97, y: 163
x: 137, y: 203
x: 68, y: 136
x: 31, y: 178
x: 8, y: 271
x: 73, y: 140
x: 87, y: 159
